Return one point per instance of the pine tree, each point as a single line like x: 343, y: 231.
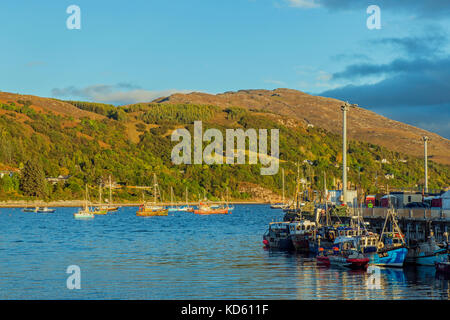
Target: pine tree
x: 32, y: 181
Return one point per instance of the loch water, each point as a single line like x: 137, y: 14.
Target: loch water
x: 181, y: 256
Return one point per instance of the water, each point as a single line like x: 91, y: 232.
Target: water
x: 182, y: 256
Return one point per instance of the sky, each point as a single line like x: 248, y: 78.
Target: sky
x: 135, y: 51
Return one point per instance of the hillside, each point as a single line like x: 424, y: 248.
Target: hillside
x: 364, y: 125
x: 90, y: 141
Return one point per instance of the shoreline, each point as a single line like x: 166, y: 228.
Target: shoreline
x: 80, y: 203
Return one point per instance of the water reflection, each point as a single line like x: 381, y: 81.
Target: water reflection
x: 181, y: 256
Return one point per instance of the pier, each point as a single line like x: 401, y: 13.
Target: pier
x: 416, y: 224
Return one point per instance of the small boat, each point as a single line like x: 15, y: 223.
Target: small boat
x: 345, y: 253
x: 300, y: 233
x: 278, y: 237
x: 152, y: 210
x: 84, y: 213
x: 206, y: 209
x: 101, y: 209
x: 45, y: 210
x: 278, y: 205
x: 30, y: 209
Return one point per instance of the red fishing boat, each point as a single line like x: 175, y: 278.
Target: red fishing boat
x: 344, y: 254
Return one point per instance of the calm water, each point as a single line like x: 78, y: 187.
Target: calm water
x: 182, y: 256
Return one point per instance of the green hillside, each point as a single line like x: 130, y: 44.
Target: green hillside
x: 133, y: 142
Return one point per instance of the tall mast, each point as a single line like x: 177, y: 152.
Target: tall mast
x: 344, y: 109
x: 282, y: 171
x: 100, y: 193
x: 154, y: 185
x: 110, y: 190
x: 425, y: 151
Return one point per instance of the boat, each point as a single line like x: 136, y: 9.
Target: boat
x: 345, y: 253
x: 443, y: 266
x: 45, y: 210
x: 85, y: 213
x: 109, y: 207
x: 391, y: 247
x: 206, y: 209
x: 30, y: 209
x: 100, y: 210
x: 152, y: 210
x: 173, y: 208
x: 426, y: 253
x: 277, y: 236
x: 300, y: 233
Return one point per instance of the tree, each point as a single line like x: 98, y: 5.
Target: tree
x: 32, y: 181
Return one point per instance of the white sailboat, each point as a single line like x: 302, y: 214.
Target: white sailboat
x: 85, y: 213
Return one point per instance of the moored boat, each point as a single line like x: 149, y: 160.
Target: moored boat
x: 300, y: 233
x: 205, y: 209
x: 277, y: 236
x: 30, y: 209
x: 84, y: 213
x: 426, y: 253
x: 45, y: 210
x: 152, y: 210
x: 443, y: 267
x: 391, y: 247
x: 345, y: 253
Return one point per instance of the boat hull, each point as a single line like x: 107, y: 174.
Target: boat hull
x: 152, y: 213
x: 300, y: 242
x: 424, y: 259
x: 443, y: 267
x: 354, y: 264
x: 212, y: 211
x: 392, y: 258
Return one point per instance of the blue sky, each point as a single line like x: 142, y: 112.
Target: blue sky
x: 135, y: 51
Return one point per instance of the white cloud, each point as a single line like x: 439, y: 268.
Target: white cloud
x: 303, y: 3
x: 122, y: 93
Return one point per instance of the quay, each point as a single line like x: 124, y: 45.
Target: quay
x: 416, y: 224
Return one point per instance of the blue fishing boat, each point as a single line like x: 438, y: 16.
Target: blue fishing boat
x: 391, y: 249
x: 426, y: 253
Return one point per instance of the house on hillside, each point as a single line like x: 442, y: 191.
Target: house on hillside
x: 59, y: 179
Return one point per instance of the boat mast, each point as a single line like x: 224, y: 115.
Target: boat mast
x: 110, y: 190
x: 282, y: 171
x: 154, y: 185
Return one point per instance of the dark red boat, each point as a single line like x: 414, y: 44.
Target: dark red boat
x: 443, y: 267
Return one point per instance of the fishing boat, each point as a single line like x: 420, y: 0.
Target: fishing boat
x: 277, y: 236
x: 426, y: 253
x: 345, y: 253
x: 45, y: 210
x: 300, y: 233
x: 30, y: 209
x: 85, y: 213
x: 391, y: 247
x: 152, y: 210
x: 206, y: 209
